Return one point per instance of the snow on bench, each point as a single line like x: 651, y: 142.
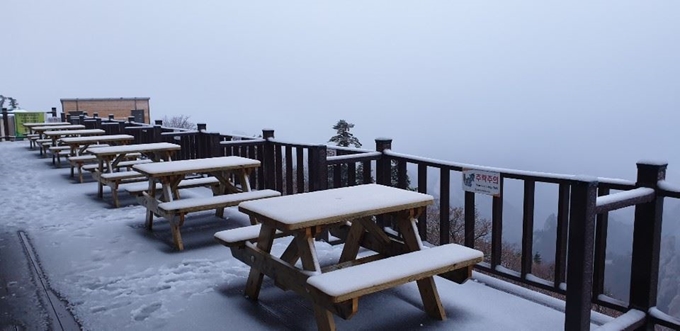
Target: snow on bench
x: 350, y: 283
x: 138, y: 188
x: 183, y: 206
x: 239, y: 236
x: 123, y: 164
x: 114, y: 179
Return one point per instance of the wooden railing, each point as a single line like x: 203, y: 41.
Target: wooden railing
x: 583, y: 206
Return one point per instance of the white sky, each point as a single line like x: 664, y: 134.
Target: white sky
x: 117, y: 276
x: 567, y: 87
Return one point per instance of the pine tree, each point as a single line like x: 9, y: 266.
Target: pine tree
x: 344, y: 138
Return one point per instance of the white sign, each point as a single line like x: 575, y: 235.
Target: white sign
x: 480, y: 181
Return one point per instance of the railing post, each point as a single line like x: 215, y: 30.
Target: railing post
x: 5, y: 123
x: 131, y: 119
x: 158, y: 122
x: 54, y: 111
x: 644, y: 275
x: 580, y: 255
x: 268, y: 164
x: 98, y: 123
x: 318, y: 179
x: 95, y: 115
x: 157, y: 133
x: 81, y: 119
x: 111, y: 117
x: 63, y: 117
x: 383, y: 166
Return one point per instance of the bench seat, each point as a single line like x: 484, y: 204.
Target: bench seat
x: 175, y: 211
x: 115, y: 179
x: 351, y: 283
x: 219, y: 201
x: 239, y: 236
x: 137, y: 188
x: 113, y: 176
x: 122, y: 164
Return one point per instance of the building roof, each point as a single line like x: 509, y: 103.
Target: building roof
x: 104, y: 99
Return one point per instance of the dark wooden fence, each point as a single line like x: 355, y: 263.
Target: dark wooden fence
x: 582, y: 209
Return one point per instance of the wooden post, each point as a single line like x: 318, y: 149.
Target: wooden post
x: 318, y: 179
x: 63, y: 117
x: 157, y: 133
x: 81, y: 119
x: 54, y: 111
x: 269, y: 164
x: 581, y: 250
x: 131, y: 119
x: 383, y: 165
x: 383, y: 172
x: 111, y: 117
x: 95, y: 115
x: 5, y: 123
x: 98, y: 123
x: 644, y: 276
x: 158, y: 122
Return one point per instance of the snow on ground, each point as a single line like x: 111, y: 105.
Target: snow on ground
x: 115, y: 275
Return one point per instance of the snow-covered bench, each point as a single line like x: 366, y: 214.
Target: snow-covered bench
x: 175, y: 211
x: 121, y: 165
x: 114, y: 179
x: 343, y: 287
x: 136, y: 189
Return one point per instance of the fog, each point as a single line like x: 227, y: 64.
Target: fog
x: 579, y: 87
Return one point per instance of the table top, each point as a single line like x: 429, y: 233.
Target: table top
x: 58, y: 127
x: 152, y: 147
x: 207, y: 165
x: 304, y: 210
x: 30, y: 125
x: 85, y: 140
x: 72, y: 132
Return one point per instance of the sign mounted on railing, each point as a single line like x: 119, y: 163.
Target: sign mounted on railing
x: 481, y: 181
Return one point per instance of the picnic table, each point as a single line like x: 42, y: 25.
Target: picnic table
x: 55, y: 135
x: 109, y: 157
x: 78, y: 145
x: 336, y: 289
x: 224, y: 173
x: 38, y: 132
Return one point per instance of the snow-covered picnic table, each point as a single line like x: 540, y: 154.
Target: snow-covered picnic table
x: 171, y: 176
x: 336, y: 289
x: 78, y: 145
x: 109, y: 157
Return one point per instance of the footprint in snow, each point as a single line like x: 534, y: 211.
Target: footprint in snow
x: 145, y: 311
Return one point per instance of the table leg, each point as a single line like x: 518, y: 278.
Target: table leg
x: 351, y: 248
x: 264, y: 243
x: 310, y: 261
x: 149, y: 214
x: 427, y: 287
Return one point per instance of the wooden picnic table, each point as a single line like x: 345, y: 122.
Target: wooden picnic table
x: 55, y: 135
x: 171, y: 176
x: 40, y: 130
x: 109, y: 157
x: 78, y: 145
x: 31, y: 125
x: 335, y: 289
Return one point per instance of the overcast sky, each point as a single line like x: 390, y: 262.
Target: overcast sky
x: 572, y: 87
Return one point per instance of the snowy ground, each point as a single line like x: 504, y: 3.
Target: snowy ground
x: 115, y: 275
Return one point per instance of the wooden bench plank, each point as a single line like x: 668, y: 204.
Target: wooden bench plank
x: 345, y: 284
x: 214, y: 202
x: 123, y: 164
x: 138, y: 188
x: 239, y: 236
x: 114, y: 176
